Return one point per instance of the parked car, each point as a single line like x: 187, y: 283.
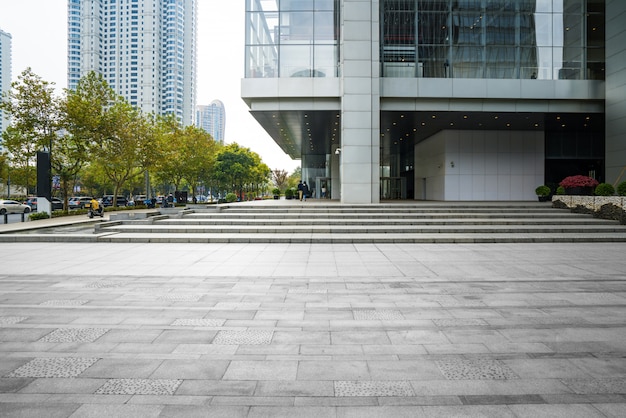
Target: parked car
x: 79, y: 202
x: 12, y: 206
x: 56, y: 203
x: 107, y: 200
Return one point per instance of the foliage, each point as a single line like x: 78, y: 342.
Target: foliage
x: 543, y: 191
x: 276, y: 191
x: 231, y: 197
x: 34, y: 216
x: 238, y: 169
x: 295, y: 177
x: 34, y: 114
x: 560, y: 190
x: 621, y: 189
x: 280, y: 177
x: 289, y: 193
x: 604, y: 189
x: 578, y: 181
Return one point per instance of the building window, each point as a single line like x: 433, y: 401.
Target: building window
x: 502, y: 39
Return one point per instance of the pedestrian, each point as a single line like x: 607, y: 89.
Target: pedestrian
x: 323, y: 192
x: 170, y: 200
x: 305, y: 191
x: 300, y: 186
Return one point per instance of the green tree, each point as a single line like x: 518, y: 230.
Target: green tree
x: 21, y: 161
x: 233, y: 166
x: 294, y: 178
x: 34, y: 113
x: 119, y: 150
x: 198, y: 152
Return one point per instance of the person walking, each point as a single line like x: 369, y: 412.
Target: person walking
x: 305, y: 191
x: 300, y: 186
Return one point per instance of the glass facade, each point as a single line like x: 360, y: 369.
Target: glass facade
x: 292, y: 38
x: 501, y: 39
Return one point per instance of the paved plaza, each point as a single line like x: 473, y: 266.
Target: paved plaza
x: 312, y: 330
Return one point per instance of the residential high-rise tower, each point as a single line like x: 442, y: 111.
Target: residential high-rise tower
x: 145, y: 49
x: 5, y: 73
x: 212, y: 118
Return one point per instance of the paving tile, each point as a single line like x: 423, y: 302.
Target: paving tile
x: 261, y: 370
x: 108, y: 410
x: 294, y: 388
x: 54, y: 367
x: 283, y: 412
x: 198, y: 322
x: 12, y: 409
x: 480, y: 369
x: 217, y: 387
x: 72, y: 335
x: 556, y: 411
x: 333, y: 370
x: 191, y: 369
x: 248, y: 337
x: 11, y: 320
x: 404, y: 370
x: 122, y: 368
x: 175, y: 411
x: 63, y: 385
x: 373, y: 388
x: 612, y: 410
x: 139, y: 387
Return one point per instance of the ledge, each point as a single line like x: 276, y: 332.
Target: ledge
x: 604, y: 207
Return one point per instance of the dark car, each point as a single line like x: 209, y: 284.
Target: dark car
x: 56, y: 203
x: 107, y: 200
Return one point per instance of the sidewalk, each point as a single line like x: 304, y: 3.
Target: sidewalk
x: 285, y: 330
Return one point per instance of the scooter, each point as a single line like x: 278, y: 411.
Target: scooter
x: 98, y: 212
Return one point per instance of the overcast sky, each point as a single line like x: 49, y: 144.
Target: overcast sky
x: 39, y: 38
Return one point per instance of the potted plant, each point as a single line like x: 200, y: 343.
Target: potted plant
x: 579, y: 185
x: 543, y: 193
x: 289, y: 194
x: 276, y: 193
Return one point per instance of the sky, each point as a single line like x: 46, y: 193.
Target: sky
x: 39, y: 41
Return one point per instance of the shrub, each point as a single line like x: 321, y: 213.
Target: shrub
x: 276, y: 192
x: 621, y: 189
x: 578, y: 181
x: 560, y: 190
x: 38, y: 215
x: 289, y: 193
x: 231, y: 197
x: 543, y: 191
x: 604, y: 189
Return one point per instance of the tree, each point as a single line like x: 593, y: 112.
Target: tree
x: 280, y: 178
x: 233, y: 166
x: 295, y: 177
x: 34, y: 113
x: 21, y: 159
x: 118, y: 151
x: 198, y: 154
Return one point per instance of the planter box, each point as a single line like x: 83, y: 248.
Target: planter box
x: 579, y: 191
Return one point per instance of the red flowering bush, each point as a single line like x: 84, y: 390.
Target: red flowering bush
x: 578, y: 181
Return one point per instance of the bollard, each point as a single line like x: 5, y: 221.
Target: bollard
x: 6, y: 218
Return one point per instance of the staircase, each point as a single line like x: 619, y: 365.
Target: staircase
x: 320, y: 222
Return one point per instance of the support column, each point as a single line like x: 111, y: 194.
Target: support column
x: 615, y: 91
x: 360, y: 102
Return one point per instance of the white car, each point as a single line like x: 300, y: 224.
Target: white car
x: 11, y: 206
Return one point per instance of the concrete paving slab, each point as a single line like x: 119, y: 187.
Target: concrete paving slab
x: 537, y: 331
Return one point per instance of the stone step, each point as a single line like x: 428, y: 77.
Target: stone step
x: 367, y: 229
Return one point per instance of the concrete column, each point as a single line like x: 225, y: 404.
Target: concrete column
x: 360, y: 102
x: 615, y: 90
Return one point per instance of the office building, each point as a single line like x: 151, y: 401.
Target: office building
x: 5, y: 74
x: 440, y: 99
x: 145, y: 49
x: 212, y: 118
